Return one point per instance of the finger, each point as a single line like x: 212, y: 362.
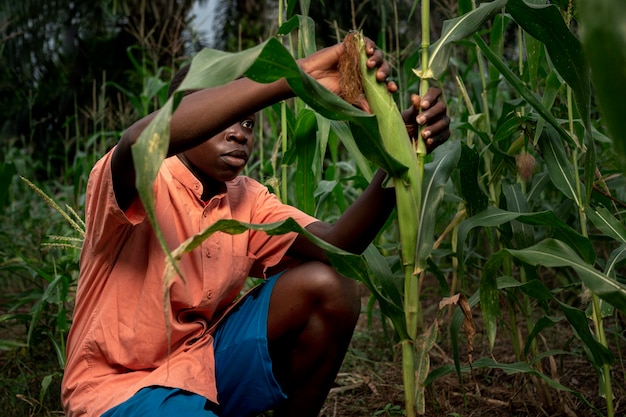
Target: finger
x: 383, y: 72
x: 376, y: 59
x: 370, y: 46
x: 435, y: 141
x: 431, y: 115
x: 431, y: 96
x: 438, y: 128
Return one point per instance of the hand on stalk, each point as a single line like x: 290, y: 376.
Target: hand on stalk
x: 429, y: 114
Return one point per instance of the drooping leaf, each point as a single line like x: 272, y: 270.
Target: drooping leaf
x: 493, y: 216
x: 265, y: 63
x: 580, y: 324
x: 543, y: 323
x: 554, y: 253
x: 604, y: 220
x: 561, y: 171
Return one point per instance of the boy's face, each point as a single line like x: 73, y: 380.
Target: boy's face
x: 224, y: 156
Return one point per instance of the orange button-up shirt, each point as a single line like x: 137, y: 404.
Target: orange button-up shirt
x: 121, y: 339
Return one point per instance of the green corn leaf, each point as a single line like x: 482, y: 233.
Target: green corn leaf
x: 475, y: 198
x: 306, y: 146
x: 617, y: 257
x: 545, y: 23
x: 347, y: 139
x: 561, y: 171
x: 489, y: 304
x: 387, y: 289
x: 307, y: 32
x: 562, y: 231
x: 390, y: 284
x: 436, y: 175
x: 604, y: 44
x: 533, y: 288
x: 604, y: 220
x: 550, y: 93
x: 454, y: 30
x: 543, y: 323
x: 516, y: 202
x: 528, y: 95
x: 423, y: 345
x: 580, y: 324
x: 493, y: 217
x: 264, y: 63
x: 554, y: 253
x: 490, y: 217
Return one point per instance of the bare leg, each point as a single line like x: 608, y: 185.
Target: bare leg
x: 313, y: 312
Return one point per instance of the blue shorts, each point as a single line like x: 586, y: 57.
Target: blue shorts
x: 245, y: 382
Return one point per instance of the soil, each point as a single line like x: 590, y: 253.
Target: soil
x: 370, y: 381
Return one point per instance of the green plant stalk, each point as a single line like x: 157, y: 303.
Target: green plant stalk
x: 283, y: 138
x: 596, y: 312
x: 483, y: 95
x: 408, y: 197
x: 283, y: 129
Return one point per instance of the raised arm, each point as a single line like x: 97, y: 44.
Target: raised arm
x: 205, y: 113
x: 199, y: 116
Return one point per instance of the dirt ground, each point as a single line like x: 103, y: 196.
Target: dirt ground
x: 370, y: 381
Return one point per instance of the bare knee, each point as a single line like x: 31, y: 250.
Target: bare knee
x: 313, y: 289
x: 335, y: 294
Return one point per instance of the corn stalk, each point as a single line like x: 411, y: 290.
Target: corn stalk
x: 396, y: 141
x: 418, y: 192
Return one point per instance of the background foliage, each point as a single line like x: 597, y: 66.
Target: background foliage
x: 531, y: 228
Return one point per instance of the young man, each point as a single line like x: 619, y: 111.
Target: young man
x: 281, y: 347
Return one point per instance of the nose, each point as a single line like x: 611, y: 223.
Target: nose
x: 236, y: 134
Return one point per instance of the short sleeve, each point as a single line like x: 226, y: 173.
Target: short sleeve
x: 269, y: 250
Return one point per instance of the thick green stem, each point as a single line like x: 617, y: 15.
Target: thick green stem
x: 283, y: 166
x: 408, y: 376
x: 408, y: 197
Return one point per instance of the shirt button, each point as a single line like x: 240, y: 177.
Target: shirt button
x: 208, y: 253
x: 209, y: 294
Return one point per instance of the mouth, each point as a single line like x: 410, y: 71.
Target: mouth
x: 235, y: 158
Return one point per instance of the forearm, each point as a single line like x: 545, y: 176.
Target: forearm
x: 358, y: 225
x: 204, y: 113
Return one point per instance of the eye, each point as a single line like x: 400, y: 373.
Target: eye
x: 248, y: 124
